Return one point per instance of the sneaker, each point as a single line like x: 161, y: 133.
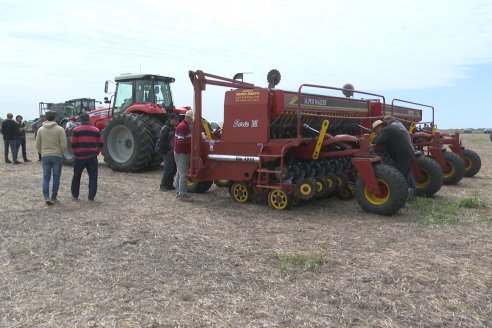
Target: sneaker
x: 26, y: 161
x: 49, y: 202
x: 17, y: 162
x: 75, y: 198
x: 185, y: 199
x: 164, y: 189
x: 8, y: 161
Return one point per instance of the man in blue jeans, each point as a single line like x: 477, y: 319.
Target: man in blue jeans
x: 10, y: 132
x: 87, y: 143
x: 182, y: 150
x: 51, y: 143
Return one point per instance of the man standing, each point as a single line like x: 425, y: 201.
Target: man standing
x: 87, y: 143
x: 10, y: 132
x: 166, y: 145
x: 21, y: 140
x: 51, y: 143
x: 182, y: 150
x: 395, y: 142
x: 391, y: 120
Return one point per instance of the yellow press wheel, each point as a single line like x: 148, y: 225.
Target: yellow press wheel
x: 279, y: 199
x: 240, y: 192
x: 306, y: 189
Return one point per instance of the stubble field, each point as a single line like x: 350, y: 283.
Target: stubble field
x: 138, y: 258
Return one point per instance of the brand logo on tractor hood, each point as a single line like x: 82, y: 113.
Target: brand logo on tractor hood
x: 245, y: 124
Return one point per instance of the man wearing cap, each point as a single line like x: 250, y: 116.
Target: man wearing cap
x: 182, y: 150
x: 10, y: 133
x: 395, y: 142
x: 51, y: 143
x: 87, y: 143
x: 166, y: 144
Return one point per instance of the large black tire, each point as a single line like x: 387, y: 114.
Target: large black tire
x: 430, y: 178
x: 68, y: 157
x: 155, y: 124
x: 394, y: 187
x: 473, y: 163
x: 128, y: 143
x: 455, y: 168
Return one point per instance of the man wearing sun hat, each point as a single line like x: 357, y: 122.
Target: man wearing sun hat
x: 182, y: 150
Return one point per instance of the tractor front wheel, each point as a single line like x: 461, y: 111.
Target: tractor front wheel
x: 393, y: 191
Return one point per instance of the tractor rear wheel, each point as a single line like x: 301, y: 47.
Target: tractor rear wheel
x: 393, y: 187
x: 128, y: 142
x: 473, y: 163
x: 455, y: 168
x: 430, y: 177
x: 155, y: 124
x: 279, y: 199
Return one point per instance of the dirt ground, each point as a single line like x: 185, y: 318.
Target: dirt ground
x: 138, y: 258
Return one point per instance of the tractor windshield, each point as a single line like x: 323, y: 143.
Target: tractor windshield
x: 142, y: 91
x: 162, y: 91
x: 124, y: 96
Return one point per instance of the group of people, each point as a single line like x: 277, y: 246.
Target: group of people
x: 174, y: 144
x: 51, y: 142
x: 14, y: 136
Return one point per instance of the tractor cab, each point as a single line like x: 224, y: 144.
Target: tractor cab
x: 146, y: 93
x: 68, y: 110
x: 81, y: 105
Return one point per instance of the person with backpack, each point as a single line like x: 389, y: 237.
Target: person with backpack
x: 164, y: 147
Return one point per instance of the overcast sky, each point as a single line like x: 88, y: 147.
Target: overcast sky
x: 432, y: 52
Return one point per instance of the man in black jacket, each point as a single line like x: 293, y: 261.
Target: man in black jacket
x: 396, y: 144
x: 10, y: 132
x: 165, y: 147
x: 21, y: 140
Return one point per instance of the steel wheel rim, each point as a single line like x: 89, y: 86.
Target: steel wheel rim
x: 121, y: 144
x: 278, y: 199
x: 240, y: 193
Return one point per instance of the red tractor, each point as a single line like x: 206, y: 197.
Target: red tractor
x: 283, y: 147
x: 131, y: 126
